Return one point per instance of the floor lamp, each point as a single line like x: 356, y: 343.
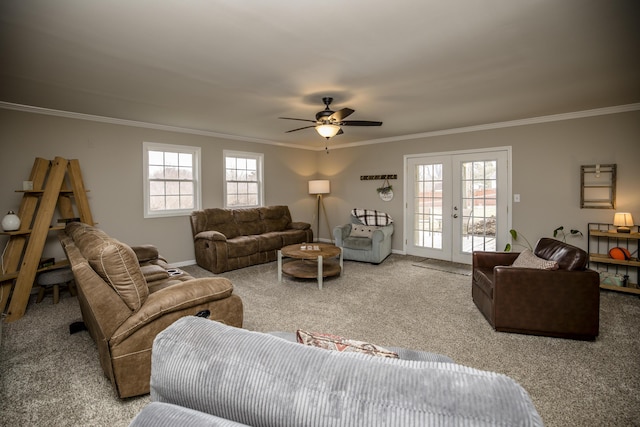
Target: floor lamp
x: 320, y: 187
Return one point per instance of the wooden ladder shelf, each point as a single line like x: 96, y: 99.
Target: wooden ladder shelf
x: 24, y: 249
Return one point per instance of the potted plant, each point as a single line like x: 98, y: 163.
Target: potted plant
x: 572, y: 232
x: 558, y: 231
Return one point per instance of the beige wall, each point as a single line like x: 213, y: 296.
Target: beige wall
x: 546, y: 171
x: 546, y: 165
x: 110, y: 157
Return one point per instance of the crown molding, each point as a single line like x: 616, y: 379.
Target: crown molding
x: 147, y: 125
x: 489, y: 126
x: 499, y: 125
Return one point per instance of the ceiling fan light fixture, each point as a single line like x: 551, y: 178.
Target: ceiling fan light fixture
x: 328, y: 131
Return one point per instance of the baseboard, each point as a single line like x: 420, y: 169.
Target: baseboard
x: 182, y: 263
x: 193, y: 261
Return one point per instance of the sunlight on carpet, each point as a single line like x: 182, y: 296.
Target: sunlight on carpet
x: 446, y: 266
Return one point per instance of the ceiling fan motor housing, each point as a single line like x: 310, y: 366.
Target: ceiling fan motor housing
x: 324, y: 115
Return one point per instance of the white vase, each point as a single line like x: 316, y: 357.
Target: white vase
x: 10, y: 222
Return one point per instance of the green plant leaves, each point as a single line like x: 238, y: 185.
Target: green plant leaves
x: 555, y: 232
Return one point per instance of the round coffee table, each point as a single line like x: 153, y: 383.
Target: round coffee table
x: 312, y: 261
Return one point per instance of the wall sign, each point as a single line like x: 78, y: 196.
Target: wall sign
x: 386, y: 191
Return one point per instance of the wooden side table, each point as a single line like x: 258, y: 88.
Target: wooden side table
x: 312, y: 261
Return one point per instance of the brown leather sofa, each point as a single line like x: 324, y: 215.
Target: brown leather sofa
x: 228, y: 239
x: 128, y: 295
x: 558, y: 303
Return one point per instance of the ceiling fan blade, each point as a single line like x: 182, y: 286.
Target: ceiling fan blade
x: 306, y: 127
x: 302, y: 120
x: 360, y: 123
x: 339, y: 132
x: 341, y: 114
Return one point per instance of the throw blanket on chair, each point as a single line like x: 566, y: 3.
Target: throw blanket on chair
x: 372, y: 217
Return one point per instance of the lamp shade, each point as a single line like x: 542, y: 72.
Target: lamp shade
x: 328, y: 131
x: 319, y: 186
x: 623, y: 219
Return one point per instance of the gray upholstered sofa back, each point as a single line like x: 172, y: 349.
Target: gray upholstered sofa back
x: 263, y: 380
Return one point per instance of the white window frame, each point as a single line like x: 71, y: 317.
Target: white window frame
x: 259, y: 158
x: 197, y: 191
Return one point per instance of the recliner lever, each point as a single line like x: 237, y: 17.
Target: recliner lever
x: 204, y: 313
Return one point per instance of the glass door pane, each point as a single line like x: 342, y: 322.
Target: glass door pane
x: 427, y: 224
x: 479, y: 195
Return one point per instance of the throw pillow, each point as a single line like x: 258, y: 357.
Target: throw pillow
x: 372, y: 217
x: 528, y: 259
x: 358, y: 230
x: 334, y: 342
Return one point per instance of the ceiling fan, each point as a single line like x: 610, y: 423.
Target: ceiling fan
x: 328, y: 122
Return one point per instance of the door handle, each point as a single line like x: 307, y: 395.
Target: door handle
x: 455, y: 215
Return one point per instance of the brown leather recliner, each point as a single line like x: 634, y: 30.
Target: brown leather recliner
x: 558, y: 303
x: 128, y: 295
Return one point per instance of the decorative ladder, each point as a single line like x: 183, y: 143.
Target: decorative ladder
x: 21, y: 259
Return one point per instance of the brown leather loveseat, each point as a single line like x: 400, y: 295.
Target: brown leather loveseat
x: 228, y: 239
x: 128, y: 295
x: 562, y: 302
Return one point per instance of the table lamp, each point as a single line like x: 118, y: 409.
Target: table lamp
x: 623, y: 220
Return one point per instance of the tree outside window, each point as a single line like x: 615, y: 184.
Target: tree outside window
x: 243, y: 179
x: 171, y: 179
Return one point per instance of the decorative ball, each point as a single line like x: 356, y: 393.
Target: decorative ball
x: 10, y: 222
x: 620, y: 253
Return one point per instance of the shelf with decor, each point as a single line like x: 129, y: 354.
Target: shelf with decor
x: 613, y: 253
x: 54, y: 184
x: 598, y: 186
x: 58, y: 264
x: 29, y: 231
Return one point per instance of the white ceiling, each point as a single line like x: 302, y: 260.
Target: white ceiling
x: 233, y: 67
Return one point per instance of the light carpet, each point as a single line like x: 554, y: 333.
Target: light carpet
x: 48, y: 377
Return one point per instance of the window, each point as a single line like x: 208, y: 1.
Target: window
x: 171, y: 179
x: 242, y: 179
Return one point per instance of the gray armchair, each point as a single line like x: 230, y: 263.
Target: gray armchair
x: 372, y: 249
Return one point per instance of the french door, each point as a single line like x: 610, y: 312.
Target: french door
x: 457, y: 203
